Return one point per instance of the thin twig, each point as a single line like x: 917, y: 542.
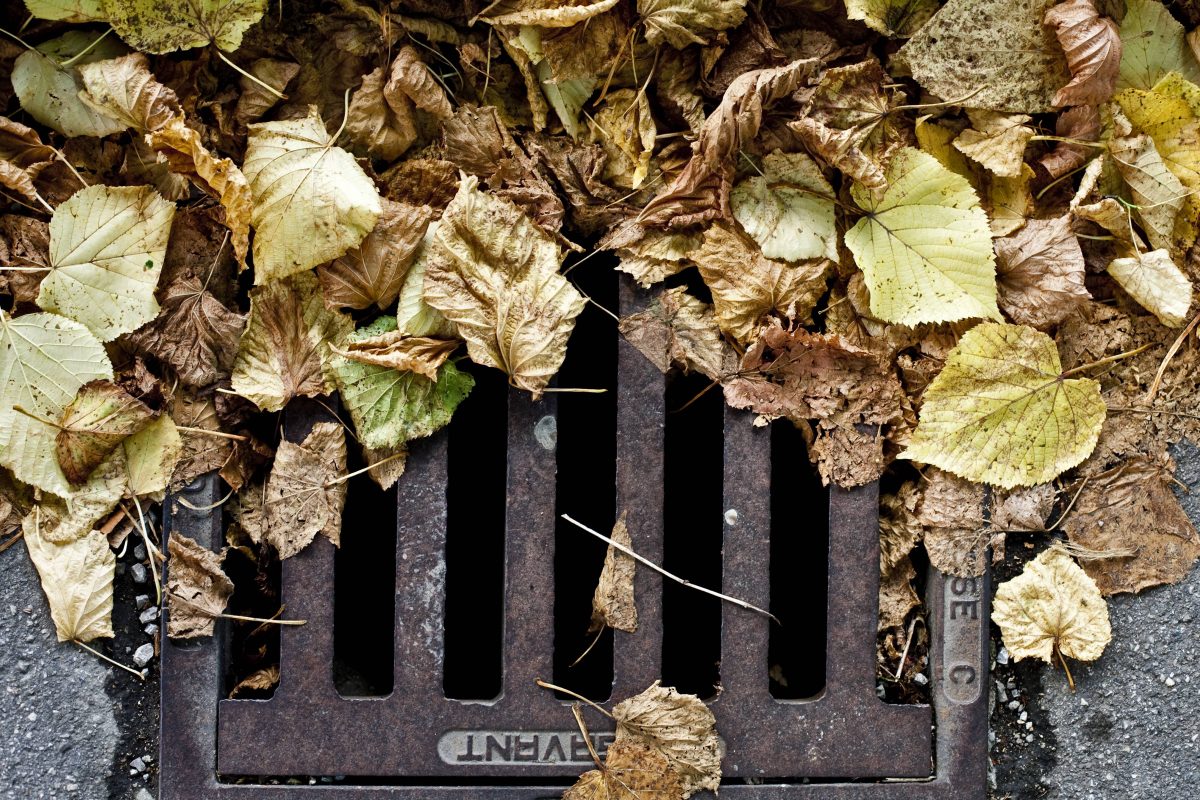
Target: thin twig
x: 219, y: 434
x: 664, y: 573
x: 912, y: 628
x: 576, y: 695
x: 172, y: 597
x: 1106, y: 360
x: 577, y: 712
x: 103, y: 657
x: 254, y: 78
x: 1054, y: 526
x: 16, y: 537
x: 1162, y: 368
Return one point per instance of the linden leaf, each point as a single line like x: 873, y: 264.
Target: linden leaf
x: 390, y: 407
x: 788, y: 209
x: 285, y: 350
x: 624, y: 127
x: 899, y: 18
x: 197, y: 588
x: 414, y: 316
x: 77, y: 578
x: 312, y: 201
x: 374, y: 272
x: 951, y: 515
x: 94, y: 424
x: 304, y: 496
x: 67, y: 10
x: 151, y: 456
x: 124, y: 89
x: 164, y: 26
x: 996, y: 141
x: 680, y: 23
x: 44, y: 360
x: 1039, y: 273
x: 63, y: 520
x: 50, y: 92
x: 631, y: 771
x: 1153, y: 45
x: 657, y: 256
x: 494, y: 273
x: 107, y: 246
x: 1052, y: 607
x: 1092, y: 45
x: 397, y: 351
x: 679, y: 726
x: 613, y: 603
x: 1156, y: 283
x: 1001, y: 412
x: 677, y: 329
x: 1158, y: 196
x: 542, y: 14
x: 924, y: 245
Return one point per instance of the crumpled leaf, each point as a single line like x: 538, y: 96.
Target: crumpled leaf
x: 302, y: 498
x: 1052, y: 607
x: 1081, y: 123
x: 414, y: 316
x: 746, y: 286
x: 1153, y: 44
x: 924, y: 245
x: 788, y: 209
x: 164, y: 26
x: 312, y: 201
x: 1132, y: 521
x: 1156, y: 283
x: 44, y: 360
x: 197, y: 588
x: 1157, y: 194
x: 624, y: 127
x: 897, y: 18
x: 285, y: 350
x: 657, y: 256
x: 997, y: 52
x: 255, y: 101
x: 200, y: 453
x: 395, y: 350
x: 613, y: 603
x: 680, y: 23
x: 390, y: 407
x: 373, y: 272
x: 631, y: 771
x: 107, y: 246
x: 375, y: 127
x: 95, y: 423
x: 1001, y: 412
x: 1023, y: 509
x: 77, y: 578
x: 123, y: 88
x: 951, y: 515
x: 679, y: 726
x: 64, y: 519
x: 1092, y: 45
x: 494, y: 274
x: 50, y: 93
x: 1039, y: 273
x: 996, y: 141
x: 151, y: 456
x: 677, y: 329
x: 195, y: 334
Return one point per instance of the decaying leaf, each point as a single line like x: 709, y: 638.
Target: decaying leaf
x: 1024, y: 509
x: 788, y: 209
x: 1002, y: 412
x: 1156, y: 283
x: 197, y: 588
x: 677, y: 329
x: 107, y: 246
x: 613, y: 603
x: 657, y: 256
x: 395, y: 350
x: 95, y: 423
x: 679, y: 726
x: 951, y: 514
x: 77, y: 578
x: 49, y: 92
x: 631, y: 771
x: 900, y: 18
x: 164, y: 26
x: 996, y: 141
x: 123, y: 88
x: 924, y: 246
x: 1039, y: 273
x: 624, y: 127
x: 1158, y: 195
x: 304, y: 495
x: 1092, y: 45
x: 684, y: 22
x: 1134, y: 528
x: 494, y: 274
x: 1051, y: 608
x: 372, y: 273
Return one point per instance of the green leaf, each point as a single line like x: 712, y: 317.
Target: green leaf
x: 1152, y: 44
x: 44, y: 359
x: 151, y: 455
x: 390, y: 407
x: 901, y: 18
x: 67, y: 10
x: 107, y: 246
x: 788, y: 209
x: 1001, y: 412
x: 50, y: 93
x: 924, y: 246
x: 164, y: 26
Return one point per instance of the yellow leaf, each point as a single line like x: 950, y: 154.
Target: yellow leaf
x: 164, y: 26
x: 77, y: 578
x: 900, y: 18
x: 1001, y: 412
x: 1156, y: 283
x: 788, y: 208
x: 94, y: 424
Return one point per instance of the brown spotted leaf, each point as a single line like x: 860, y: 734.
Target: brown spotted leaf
x: 679, y: 726
x: 613, y: 603
x: 302, y: 498
x: 373, y: 272
x: 94, y: 424
x: 195, y: 334
x: 197, y: 588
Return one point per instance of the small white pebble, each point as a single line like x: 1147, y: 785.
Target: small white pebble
x: 731, y: 517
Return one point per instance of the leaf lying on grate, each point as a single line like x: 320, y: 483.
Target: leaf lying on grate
x: 304, y: 495
x: 631, y: 771
x: 614, y: 604
x: 197, y: 589
x: 681, y: 727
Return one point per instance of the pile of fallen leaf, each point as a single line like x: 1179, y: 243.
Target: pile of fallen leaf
x: 954, y: 244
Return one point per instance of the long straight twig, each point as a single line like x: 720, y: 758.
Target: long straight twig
x: 664, y: 573
x: 103, y: 657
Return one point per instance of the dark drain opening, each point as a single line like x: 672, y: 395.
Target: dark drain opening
x: 586, y: 487
x: 691, y: 644
x: 799, y: 568
x: 364, y: 581
x: 474, y: 617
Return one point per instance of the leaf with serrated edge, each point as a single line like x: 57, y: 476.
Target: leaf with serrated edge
x: 302, y: 497
x: 77, y: 578
x: 678, y: 725
x: 164, y: 26
x: 197, y: 588
x: 94, y: 424
x: 1000, y: 411
x: 788, y: 209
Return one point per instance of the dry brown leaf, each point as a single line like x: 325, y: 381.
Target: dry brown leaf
x: 302, y: 497
x: 373, y: 272
x: 373, y: 125
x: 613, y: 603
x: 201, y: 453
x: 197, y: 588
x: 21, y: 145
x: 386, y: 466
x: 262, y: 680
x: 24, y: 242
x: 1131, y: 513
x: 1023, y: 509
x: 996, y: 141
x: 1092, y: 45
x: 679, y: 726
x: 410, y: 80
x: 899, y: 528
x: 657, y: 256
x: 1039, y: 273
x: 254, y: 100
x: 1081, y: 123
x: 494, y: 274
x: 397, y: 350
x: 677, y: 329
x: 94, y: 424
x: 951, y: 512
x: 631, y: 771
x: 195, y: 334
x: 747, y: 286
x: 124, y: 88
x: 897, y: 598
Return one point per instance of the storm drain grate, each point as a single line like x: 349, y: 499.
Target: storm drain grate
x: 844, y: 743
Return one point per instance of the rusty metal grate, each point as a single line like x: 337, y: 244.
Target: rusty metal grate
x: 415, y: 743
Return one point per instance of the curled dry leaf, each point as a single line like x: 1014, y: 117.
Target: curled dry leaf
x: 1025, y: 509
x: 1156, y: 283
x: 374, y: 126
x: 200, y: 453
x: 395, y: 350
x: 254, y: 100
x: 1039, y: 273
x: 624, y: 127
x: 1001, y: 411
x: 680, y: 727
x: 676, y: 329
x: 494, y: 274
x: 50, y: 93
x: 996, y: 141
x: 1081, y: 123
x: 123, y: 88
x: 197, y: 588
x: 613, y: 603
x: 94, y: 424
x: 77, y: 578
x: 680, y: 23
x: 657, y: 256
x: 1052, y: 607
x: 1092, y: 45
x: 901, y: 18
x: 1131, y: 521
x: 372, y: 273
x: 304, y: 496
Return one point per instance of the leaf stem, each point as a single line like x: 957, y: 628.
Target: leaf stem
x: 368, y: 468
x: 1067, y: 140
x: 237, y: 437
x: 85, y: 50
x: 576, y: 695
x: 1105, y: 360
x: 253, y: 78
x: 1066, y: 669
x: 103, y: 657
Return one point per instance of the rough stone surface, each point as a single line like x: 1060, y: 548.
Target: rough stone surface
x: 143, y: 655
x: 58, y: 730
